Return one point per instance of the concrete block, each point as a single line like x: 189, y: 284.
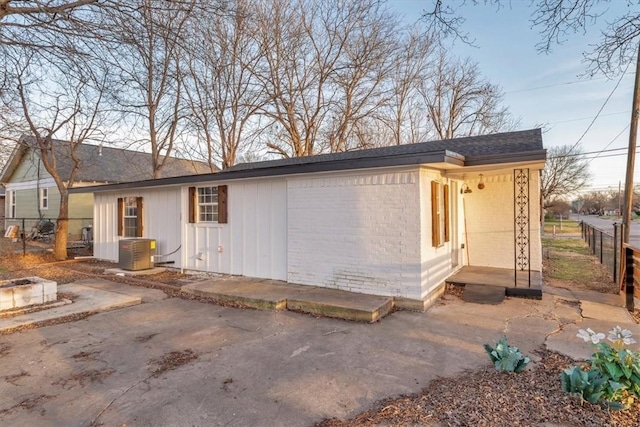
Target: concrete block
x: 27, y: 295
x: 6, y: 299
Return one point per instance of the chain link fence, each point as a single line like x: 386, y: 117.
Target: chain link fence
x: 607, y: 246
x: 42, y: 231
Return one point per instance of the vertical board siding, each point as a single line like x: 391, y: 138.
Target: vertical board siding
x: 253, y: 241
x: 160, y: 216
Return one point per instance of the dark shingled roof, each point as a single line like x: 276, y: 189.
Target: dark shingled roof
x: 509, y: 147
x: 472, y: 146
x: 111, y: 164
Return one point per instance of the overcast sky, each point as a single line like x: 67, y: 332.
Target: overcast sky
x: 547, y: 88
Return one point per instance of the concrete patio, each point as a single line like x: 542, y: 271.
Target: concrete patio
x: 263, y: 367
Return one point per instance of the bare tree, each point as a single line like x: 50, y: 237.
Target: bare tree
x: 461, y: 103
x: 42, y: 9
x: 295, y: 72
x: 557, y: 20
x: 57, y: 100
x: 363, y: 68
x: 222, y: 94
x: 565, y: 172
x: 406, y: 115
x: 150, y: 62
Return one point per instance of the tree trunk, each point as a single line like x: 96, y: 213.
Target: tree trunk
x: 62, y: 228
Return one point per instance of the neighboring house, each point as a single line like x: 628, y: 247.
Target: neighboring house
x: 2, y: 207
x: 393, y: 221
x: 31, y: 192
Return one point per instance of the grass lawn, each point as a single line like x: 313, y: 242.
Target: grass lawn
x: 568, y: 263
x: 568, y: 226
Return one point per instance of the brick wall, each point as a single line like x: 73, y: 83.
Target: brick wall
x: 437, y: 262
x: 356, y: 232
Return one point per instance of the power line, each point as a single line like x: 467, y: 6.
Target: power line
x: 610, y: 142
x: 554, y: 85
x: 600, y: 110
x: 587, y: 118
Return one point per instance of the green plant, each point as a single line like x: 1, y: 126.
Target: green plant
x: 505, y: 357
x: 588, y: 384
x: 615, y: 364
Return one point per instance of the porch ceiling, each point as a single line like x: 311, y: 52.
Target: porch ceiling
x: 473, y: 172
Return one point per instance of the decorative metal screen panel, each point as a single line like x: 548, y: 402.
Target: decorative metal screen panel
x: 521, y: 220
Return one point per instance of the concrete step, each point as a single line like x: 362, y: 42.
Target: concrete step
x: 275, y: 295
x: 341, y: 304
x: 483, y: 294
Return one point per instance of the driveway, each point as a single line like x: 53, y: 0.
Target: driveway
x: 176, y: 362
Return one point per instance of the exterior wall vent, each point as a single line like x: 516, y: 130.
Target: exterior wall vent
x: 136, y: 254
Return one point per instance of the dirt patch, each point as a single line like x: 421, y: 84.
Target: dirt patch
x: 145, y: 338
x: 85, y: 356
x: 15, y: 377
x: 4, y: 349
x: 29, y: 403
x: 83, y: 378
x: 491, y: 398
x: 172, y: 361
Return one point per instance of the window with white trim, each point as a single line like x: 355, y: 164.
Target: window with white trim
x: 207, y: 204
x: 44, y: 198
x: 12, y: 204
x: 130, y: 217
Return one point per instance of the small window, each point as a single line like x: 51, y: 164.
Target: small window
x: 12, y: 204
x: 440, y: 228
x: 44, y: 198
x: 208, y: 204
x: 130, y: 216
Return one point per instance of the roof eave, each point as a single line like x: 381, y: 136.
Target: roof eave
x: 526, y: 156
x: 442, y: 156
x: 14, y: 160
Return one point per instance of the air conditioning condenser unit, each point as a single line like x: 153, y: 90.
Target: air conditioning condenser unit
x: 136, y: 254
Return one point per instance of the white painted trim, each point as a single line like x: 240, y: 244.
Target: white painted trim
x: 30, y: 185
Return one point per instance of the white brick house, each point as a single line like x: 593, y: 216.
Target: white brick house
x: 394, y: 221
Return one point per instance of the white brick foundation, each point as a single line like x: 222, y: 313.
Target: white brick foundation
x: 357, y: 233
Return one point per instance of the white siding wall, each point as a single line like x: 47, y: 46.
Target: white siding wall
x: 254, y: 241
x: 489, y: 218
x: 437, y: 262
x: 161, y: 221
x: 357, y: 232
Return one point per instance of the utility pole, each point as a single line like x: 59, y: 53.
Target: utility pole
x: 627, y: 287
x: 631, y: 156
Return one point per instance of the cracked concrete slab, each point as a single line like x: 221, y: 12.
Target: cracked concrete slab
x: 259, y: 368
x: 88, y: 300
x: 599, y: 311
x: 145, y: 294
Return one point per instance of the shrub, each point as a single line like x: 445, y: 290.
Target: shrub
x: 505, y: 357
x: 614, y: 375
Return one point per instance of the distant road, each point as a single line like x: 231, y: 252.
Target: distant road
x: 606, y: 225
